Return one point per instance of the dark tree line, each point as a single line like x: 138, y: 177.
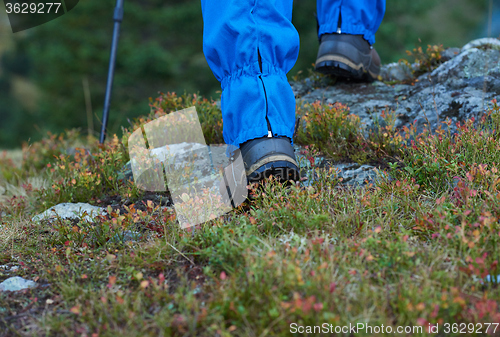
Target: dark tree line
x: 43, y: 74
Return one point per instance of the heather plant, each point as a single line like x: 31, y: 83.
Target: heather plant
x: 86, y: 177
x: 435, y: 159
x: 209, y: 114
x: 37, y: 155
x: 110, y: 228
x: 315, y: 176
x: 337, y: 133
x: 416, y: 250
x: 9, y: 171
x: 330, y: 127
x: 313, y: 78
x: 384, y: 140
x: 425, y: 61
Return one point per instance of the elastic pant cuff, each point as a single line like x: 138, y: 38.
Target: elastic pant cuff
x: 347, y: 29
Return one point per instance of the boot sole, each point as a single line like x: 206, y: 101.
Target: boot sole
x: 270, y: 156
x: 343, y: 67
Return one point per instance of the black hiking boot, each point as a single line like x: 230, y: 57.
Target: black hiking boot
x: 348, y: 56
x: 262, y: 158
x: 268, y: 156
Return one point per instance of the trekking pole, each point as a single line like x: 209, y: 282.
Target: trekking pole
x: 117, y: 17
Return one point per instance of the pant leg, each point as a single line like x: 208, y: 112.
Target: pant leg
x: 235, y: 32
x: 359, y: 17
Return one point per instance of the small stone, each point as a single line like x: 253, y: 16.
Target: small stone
x: 16, y: 283
x: 8, y: 269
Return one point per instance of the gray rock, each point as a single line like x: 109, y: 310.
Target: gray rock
x: 363, y: 99
x: 449, y: 53
x: 396, y: 71
x: 202, y: 161
x: 460, y: 88
x: 80, y: 211
x: 177, y: 155
x: 356, y: 175
x: 7, y: 269
x: 193, y: 177
x: 300, y: 88
x: 16, y: 283
x: 485, y: 42
x: 351, y: 173
x: 452, y: 67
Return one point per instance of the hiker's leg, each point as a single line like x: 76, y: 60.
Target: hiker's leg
x: 250, y: 45
x: 357, y: 17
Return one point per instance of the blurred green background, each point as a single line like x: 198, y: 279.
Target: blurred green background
x: 53, y: 77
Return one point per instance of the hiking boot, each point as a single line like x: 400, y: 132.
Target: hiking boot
x: 268, y: 156
x: 348, y: 56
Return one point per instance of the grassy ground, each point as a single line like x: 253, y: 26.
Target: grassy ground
x: 410, y: 252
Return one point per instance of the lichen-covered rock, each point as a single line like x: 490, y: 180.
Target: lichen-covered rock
x: 367, y: 100
x: 449, y: 53
x: 351, y: 173
x: 80, y: 211
x: 396, y: 71
x: 16, y: 283
x: 485, y: 42
x: 460, y: 88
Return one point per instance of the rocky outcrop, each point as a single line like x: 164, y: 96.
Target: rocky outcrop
x: 351, y: 174
x: 460, y: 88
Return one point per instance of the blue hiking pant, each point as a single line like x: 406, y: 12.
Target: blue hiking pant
x: 251, y: 45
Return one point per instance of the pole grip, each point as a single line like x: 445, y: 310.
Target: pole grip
x: 118, y: 15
